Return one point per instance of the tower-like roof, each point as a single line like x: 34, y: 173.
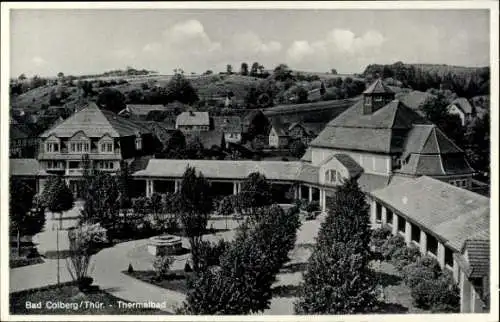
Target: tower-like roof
x: 378, y: 87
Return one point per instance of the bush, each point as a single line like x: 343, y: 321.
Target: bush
x: 380, y: 235
x: 405, y: 256
x: 439, y: 295
x: 391, y: 245
x: 161, y: 265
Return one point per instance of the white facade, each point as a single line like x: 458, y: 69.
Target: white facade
x: 370, y: 162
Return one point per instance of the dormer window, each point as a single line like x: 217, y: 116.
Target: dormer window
x: 332, y: 176
x: 107, y: 147
x: 52, y: 147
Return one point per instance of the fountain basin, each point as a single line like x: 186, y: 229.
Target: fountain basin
x: 164, y: 245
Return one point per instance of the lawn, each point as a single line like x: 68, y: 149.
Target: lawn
x: 76, y: 301
x: 176, y: 281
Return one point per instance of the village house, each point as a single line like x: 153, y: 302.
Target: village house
x: 229, y: 125
x: 193, y: 121
x: 278, y: 136
x: 463, y: 109
x: 20, y: 142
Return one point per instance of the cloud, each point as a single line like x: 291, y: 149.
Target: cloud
x: 189, y: 35
x: 38, y: 61
x: 123, y: 54
x: 338, y: 43
x: 250, y: 43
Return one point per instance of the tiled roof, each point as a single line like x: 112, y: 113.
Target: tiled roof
x: 352, y: 166
x: 95, y: 122
x: 227, y: 124
x: 463, y: 104
x: 308, y: 174
x: 348, y: 138
x: 274, y: 170
x: 394, y: 115
x: 193, y: 118
x: 478, y: 257
x: 369, y: 182
x: 451, y: 213
x: 378, y: 87
x: 427, y: 151
x: 25, y: 167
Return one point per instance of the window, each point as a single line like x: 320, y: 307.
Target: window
x: 74, y: 165
x: 378, y: 212
x: 401, y: 224
x: 106, y: 165
x: 332, y: 176
x: 389, y: 216
x: 107, y: 147
x: 53, y: 164
x: 52, y: 147
x: 448, y: 257
x: 79, y: 146
x: 138, y: 143
x: 415, y: 233
x: 432, y: 244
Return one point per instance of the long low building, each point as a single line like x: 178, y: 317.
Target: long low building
x: 446, y: 222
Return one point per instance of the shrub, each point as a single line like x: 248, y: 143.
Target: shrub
x: 391, y: 245
x: 161, y: 265
x: 439, y: 295
x: 380, y: 235
x: 404, y: 256
x: 425, y: 268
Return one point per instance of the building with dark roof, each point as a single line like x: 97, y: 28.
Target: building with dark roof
x: 386, y: 138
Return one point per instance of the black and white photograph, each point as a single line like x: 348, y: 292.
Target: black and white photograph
x: 246, y: 159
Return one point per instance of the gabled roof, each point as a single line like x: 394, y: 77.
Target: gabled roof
x: 463, y: 104
x: 378, y: 87
x: 307, y: 157
x: 95, y: 122
x: 193, y: 118
x: 227, y: 123
x: 278, y: 127
x: 451, y: 213
x: 352, y: 166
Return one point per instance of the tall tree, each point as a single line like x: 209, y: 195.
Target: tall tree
x: 58, y: 197
x: 112, y: 100
x: 179, y: 88
x: 244, y: 69
x: 20, y: 204
x: 282, y: 72
x: 124, y: 184
x: 194, y: 206
x: 229, y: 69
x: 254, y: 69
x: 338, y: 279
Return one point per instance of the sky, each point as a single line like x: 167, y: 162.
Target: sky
x: 45, y: 42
